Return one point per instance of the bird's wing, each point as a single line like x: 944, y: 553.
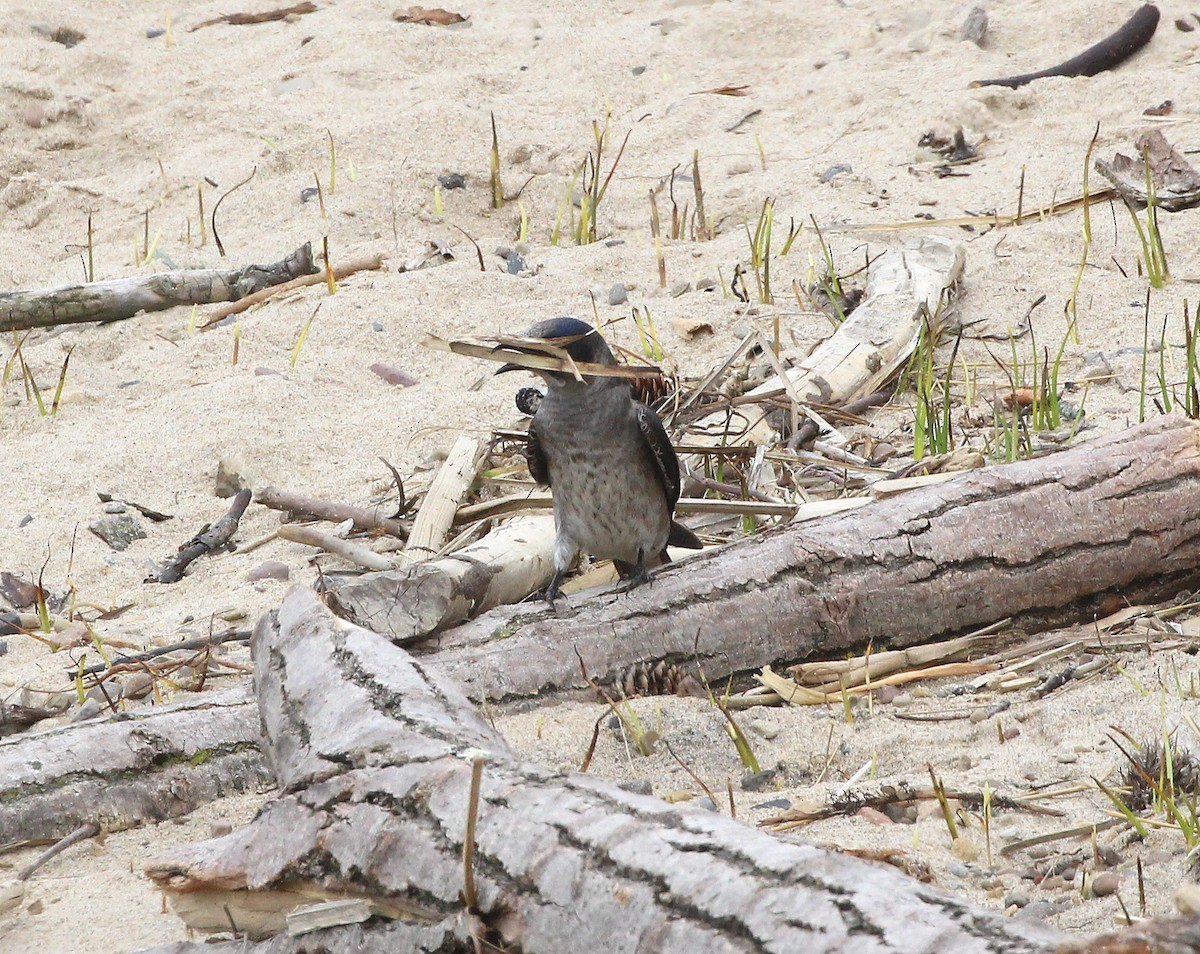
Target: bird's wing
x: 535, y: 457
x: 661, y: 451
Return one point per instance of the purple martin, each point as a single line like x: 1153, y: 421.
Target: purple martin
x: 608, y: 460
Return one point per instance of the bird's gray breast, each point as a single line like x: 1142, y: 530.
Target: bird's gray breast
x: 608, y: 496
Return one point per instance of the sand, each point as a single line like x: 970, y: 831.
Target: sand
x: 125, y: 126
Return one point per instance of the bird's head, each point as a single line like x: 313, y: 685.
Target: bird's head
x: 579, y: 339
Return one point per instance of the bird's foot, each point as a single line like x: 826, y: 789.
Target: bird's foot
x: 632, y: 576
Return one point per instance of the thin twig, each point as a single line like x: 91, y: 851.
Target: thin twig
x: 84, y: 831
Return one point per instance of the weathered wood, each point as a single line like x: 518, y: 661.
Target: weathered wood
x: 151, y: 764
x: 905, y: 286
x: 1120, y: 513
x: 125, y: 297
x: 374, y: 752
x: 445, y: 493
x: 212, y: 537
x: 405, y: 604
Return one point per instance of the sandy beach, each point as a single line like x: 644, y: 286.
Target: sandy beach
x: 819, y: 107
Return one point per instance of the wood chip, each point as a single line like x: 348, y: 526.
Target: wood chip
x: 429, y: 16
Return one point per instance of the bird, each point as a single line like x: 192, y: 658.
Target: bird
x: 608, y: 461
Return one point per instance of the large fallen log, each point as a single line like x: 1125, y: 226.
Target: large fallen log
x: 374, y: 755
x: 124, y: 297
x: 1117, y: 514
x: 150, y: 765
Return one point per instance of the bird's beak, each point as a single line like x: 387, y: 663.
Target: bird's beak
x: 509, y: 367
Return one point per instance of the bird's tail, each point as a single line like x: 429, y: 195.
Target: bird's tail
x: 681, y: 536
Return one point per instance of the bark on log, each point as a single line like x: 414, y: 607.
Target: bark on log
x: 150, y: 764
x: 372, y: 753
x: 125, y: 297
x: 1034, y: 537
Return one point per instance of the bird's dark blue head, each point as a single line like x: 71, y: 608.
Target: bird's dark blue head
x: 580, y: 340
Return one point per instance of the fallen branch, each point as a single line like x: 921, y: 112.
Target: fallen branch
x: 349, y: 551
x: 1110, y: 52
x: 314, y: 277
x: 363, y: 518
x: 267, y: 16
x: 211, y: 538
x: 87, y: 830
x: 124, y: 297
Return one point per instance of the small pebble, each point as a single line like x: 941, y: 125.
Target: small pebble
x: 958, y: 869
x: 266, y: 372
x: 637, y: 786
x: 706, y: 803
x: 974, y: 27
x: 153, y: 33
x: 834, y: 171
x: 1040, y: 910
x: 1066, y: 758
x: 706, y: 284
x: 873, y: 815
x: 779, y: 803
x: 294, y: 84
x: 393, y: 374
x: 114, y: 506
x: 1108, y: 855
x: 3, y: 647
x: 453, y: 180
x: 220, y: 828
x: 515, y: 263
x: 25, y: 521
x: 618, y: 294
x: 308, y: 193
x: 377, y: 326
x: 758, y: 781
x: 680, y: 288
x: 1016, y: 899
x: 89, y: 710
x: 118, y: 531
x: 638, y: 70
x: 762, y: 728
x: 268, y: 570
x: 34, y: 115
x: 1105, y: 884
x: 1010, y: 834
x: 233, y: 476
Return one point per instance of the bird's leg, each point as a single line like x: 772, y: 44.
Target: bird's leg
x: 554, y: 590
x: 632, y: 575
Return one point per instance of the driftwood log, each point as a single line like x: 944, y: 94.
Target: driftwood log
x: 1119, y: 514
x: 374, y: 751
x: 150, y: 765
x: 125, y: 297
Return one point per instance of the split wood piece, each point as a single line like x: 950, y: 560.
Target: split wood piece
x: 125, y: 297
x: 1039, y: 540
x: 905, y: 286
x: 505, y: 566
x: 523, y: 503
x: 445, y: 493
x: 211, y: 538
x: 1110, y: 52
x: 315, y: 277
x: 364, y: 518
x: 374, y: 753
x: 148, y: 765
x: 349, y: 551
